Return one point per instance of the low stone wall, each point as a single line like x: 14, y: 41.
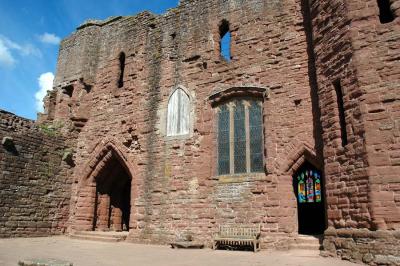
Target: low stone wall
x: 362, y: 245
x: 34, y: 189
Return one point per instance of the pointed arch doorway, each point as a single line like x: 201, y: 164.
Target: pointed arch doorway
x: 308, y: 188
x: 105, y: 192
x: 113, y: 196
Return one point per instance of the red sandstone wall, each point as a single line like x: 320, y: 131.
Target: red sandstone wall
x: 362, y: 177
x: 345, y: 167
x: 34, y: 190
x: 377, y: 50
x: 352, y: 45
x: 176, y: 186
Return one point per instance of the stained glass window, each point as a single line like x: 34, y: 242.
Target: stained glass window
x: 317, y: 179
x: 240, y: 136
x: 309, y: 186
x: 301, y: 189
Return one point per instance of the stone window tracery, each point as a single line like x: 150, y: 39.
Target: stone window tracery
x: 240, y: 140
x: 178, y: 118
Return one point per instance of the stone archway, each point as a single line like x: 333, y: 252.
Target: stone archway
x: 106, y: 191
x: 112, y: 198
x: 303, y: 165
x: 308, y: 188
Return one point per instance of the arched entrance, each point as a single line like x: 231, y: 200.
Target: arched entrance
x: 308, y: 188
x: 113, y: 196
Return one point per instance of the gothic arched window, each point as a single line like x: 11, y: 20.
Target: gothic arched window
x: 178, y: 119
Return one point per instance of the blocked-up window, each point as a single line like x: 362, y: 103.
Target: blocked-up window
x: 240, y: 137
x: 178, y: 119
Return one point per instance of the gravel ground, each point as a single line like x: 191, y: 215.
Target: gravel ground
x: 90, y: 253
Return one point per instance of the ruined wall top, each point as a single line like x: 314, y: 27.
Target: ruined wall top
x: 11, y: 122
x: 96, y: 41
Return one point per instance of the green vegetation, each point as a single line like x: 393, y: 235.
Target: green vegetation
x: 51, y: 129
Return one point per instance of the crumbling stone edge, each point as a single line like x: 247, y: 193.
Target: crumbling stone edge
x: 363, y: 245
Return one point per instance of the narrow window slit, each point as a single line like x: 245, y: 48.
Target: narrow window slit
x: 121, y: 70
x: 342, y: 116
x: 225, y: 40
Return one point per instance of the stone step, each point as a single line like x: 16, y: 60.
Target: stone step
x: 307, y: 242
x: 100, y: 236
x: 96, y: 238
x: 306, y: 247
x: 102, y: 233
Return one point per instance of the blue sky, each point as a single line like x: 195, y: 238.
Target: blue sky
x: 30, y: 31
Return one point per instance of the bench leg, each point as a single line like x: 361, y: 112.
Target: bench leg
x: 256, y: 245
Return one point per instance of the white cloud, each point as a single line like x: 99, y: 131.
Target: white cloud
x: 45, y: 85
x: 29, y: 49
x: 6, y: 58
x: 25, y: 49
x: 49, y: 38
x: 7, y: 47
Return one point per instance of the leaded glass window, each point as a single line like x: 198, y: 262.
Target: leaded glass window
x: 178, y: 114
x: 256, y: 142
x: 239, y: 138
x: 240, y: 142
x: 223, y: 141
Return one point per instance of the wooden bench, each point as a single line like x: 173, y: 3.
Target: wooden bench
x: 238, y: 235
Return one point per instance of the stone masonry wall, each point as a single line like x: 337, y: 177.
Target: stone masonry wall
x: 345, y: 167
x: 34, y: 188
x: 175, y: 185
x: 352, y: 46
x: 377, y: 53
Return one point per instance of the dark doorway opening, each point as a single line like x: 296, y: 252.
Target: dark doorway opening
x: 308, y: 188
x: 113, y: 197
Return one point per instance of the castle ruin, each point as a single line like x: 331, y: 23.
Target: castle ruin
x: 151, y: 130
